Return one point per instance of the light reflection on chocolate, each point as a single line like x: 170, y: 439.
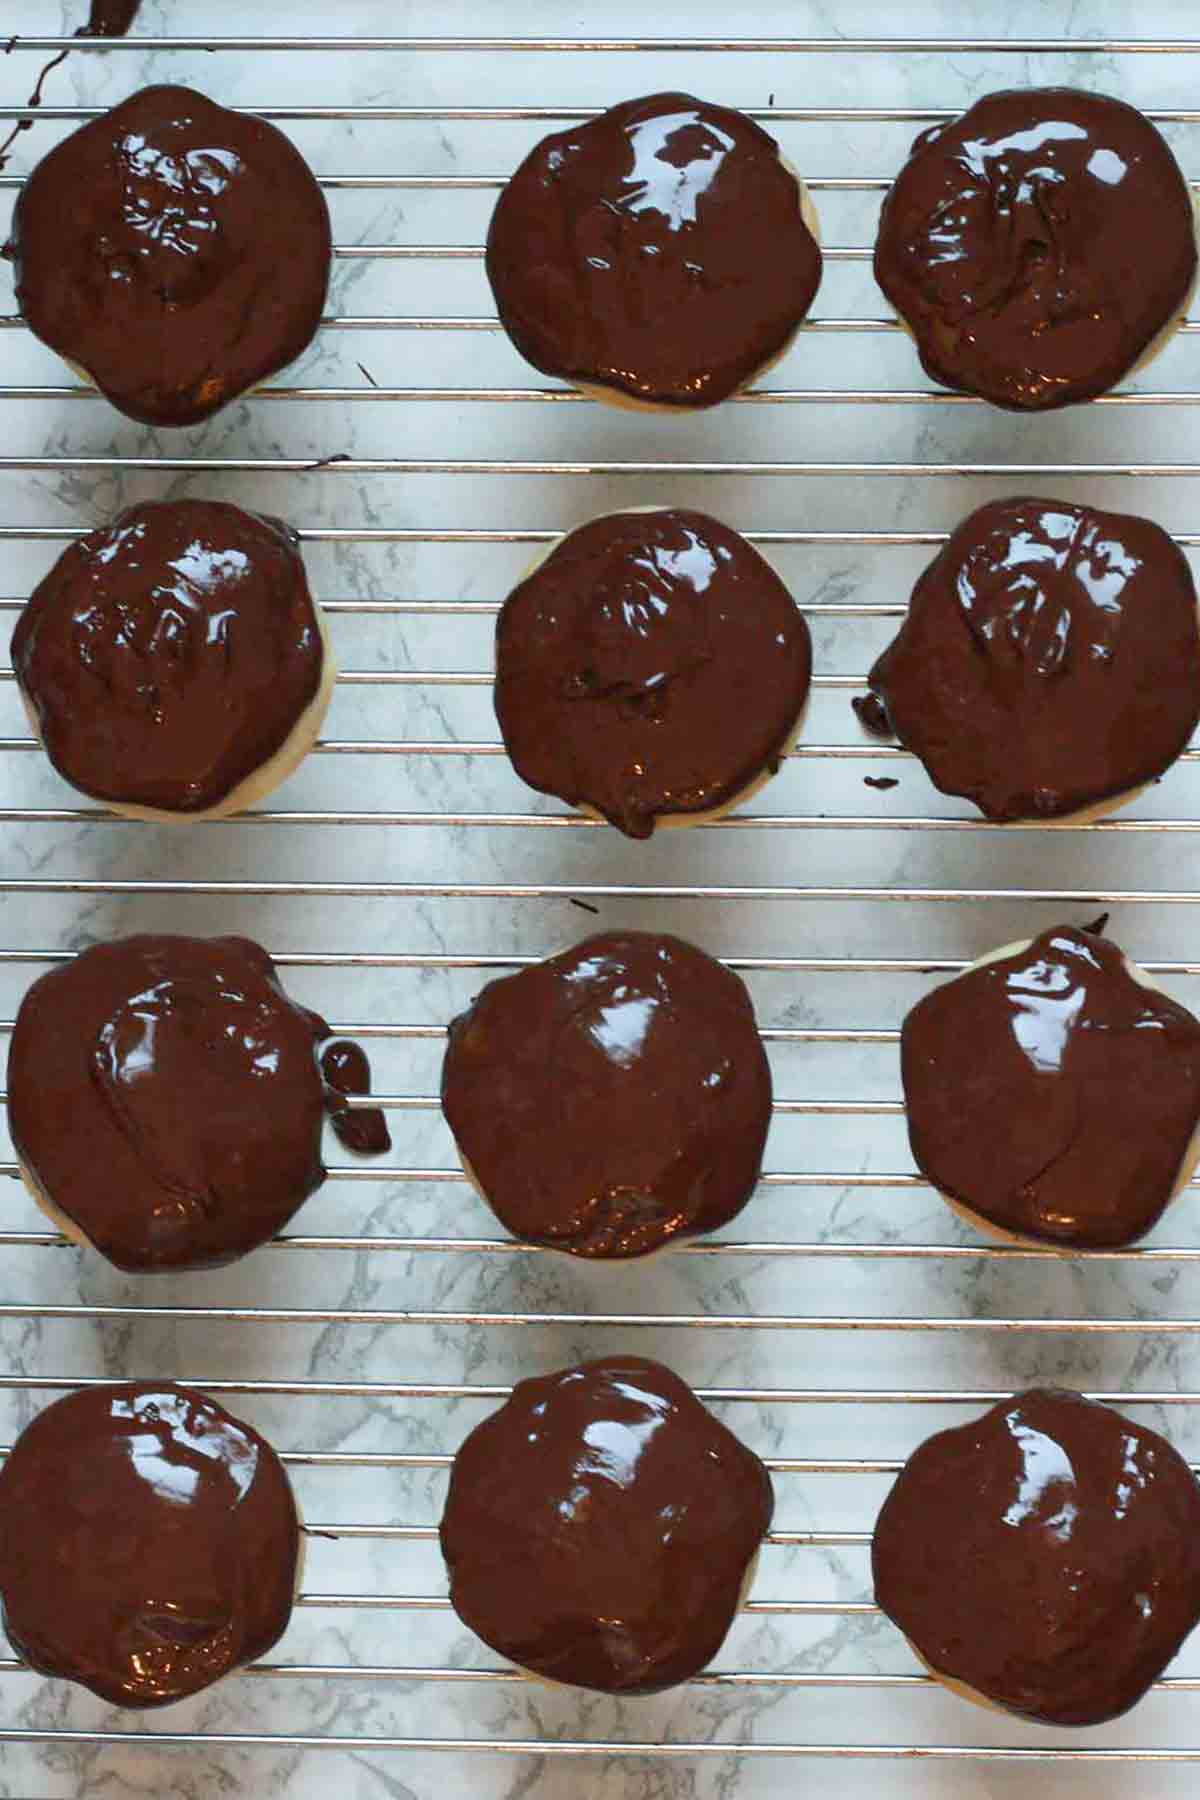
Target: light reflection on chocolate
x: 612, y: 1098
x: 1037, y: 245
x: 149, y: 247
x: 170, y: 655
x: 1046, y: 1556
x: 600, y: 1526
x: 195, y: 1102
x: 148, y: 1542
x: 1071, y: 1118
x: 653, y: 666
x: 1049, y: 661
x: 658, y: 250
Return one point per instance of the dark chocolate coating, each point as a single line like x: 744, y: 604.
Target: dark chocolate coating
x: 1037, y: 245
x: 653, y: 665
x: 658, y: 250
x: 176, y: 251
x: 148, y: 1542
x: 346, y: 1070
x: 191, y: 1086
x: 170, y: 654
x: 600, y: 1527
x: 1047, y: 1556
x: 1052, y: 1093
x: 611, y: 1098
x: 1050, y: 659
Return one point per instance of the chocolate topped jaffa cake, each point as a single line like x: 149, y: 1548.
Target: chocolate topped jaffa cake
x: 194, y: 1100
x: 1044, y: 1559
x: 651, y: 668
x: 176, y: 252
x: 661, y: 255
x: 601, y: 1528
x: 613, y: 1098
x: 1049, y: 664
x: 174, y: 663
x: 149, y: 1543
x: 1053, y: 1092
x: 1039, y: 247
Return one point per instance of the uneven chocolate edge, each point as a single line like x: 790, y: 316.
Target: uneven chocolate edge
x: 251, y: 788
x: 676, y: 821
x: 963, y: 1689
x: 79, y: 369
x: 1154, y: 346
x: 683, y: 1236
x: 1058, y: 1247
x: 70, y: 1228
x: 749, y: 1575
x: 301, y: 1558
x: 1099, y: 808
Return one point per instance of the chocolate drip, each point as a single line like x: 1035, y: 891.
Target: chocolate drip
x: 653, y: 665
x: 191, y: 1086
x: 600, y: 1527
x: 347, y: 1071
x: 1072, y: 1115
x: 1046, y: 1556
x: 658, y: 250
x: 149, y: 248
x: 1050, y: 659
x: 148, y: 1543
x: 35, y: 99
x: 110, y: 18
x: 612, y: 1098
x: 169, y: 655
x: 1037, y: 245
x: 871, y: 714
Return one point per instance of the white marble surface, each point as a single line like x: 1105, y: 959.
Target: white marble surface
x: 840, y: 1214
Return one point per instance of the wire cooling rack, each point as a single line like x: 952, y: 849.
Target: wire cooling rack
x: 847, y: 1314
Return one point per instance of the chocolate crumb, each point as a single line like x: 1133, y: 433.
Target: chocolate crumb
x: 872, y: 715
x: 346, y: 1070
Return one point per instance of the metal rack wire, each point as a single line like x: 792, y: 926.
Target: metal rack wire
x: 409, y: 1107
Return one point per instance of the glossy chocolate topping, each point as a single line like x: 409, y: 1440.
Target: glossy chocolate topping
x: 179, y: 253
x: 169, y: 655
x: 1071, y: 1115
x: 600, y: 1527
x: 1050, y: 659
x: 1047, y: 1556
x: 346, y: 1070
x: 653, y: 665
x: 191, y: 1085
x: 612, y: 1098
x: 148, y: 1542
x: 658, y: 250
x: 1037, y: 245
